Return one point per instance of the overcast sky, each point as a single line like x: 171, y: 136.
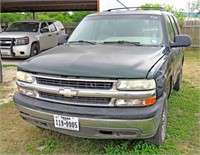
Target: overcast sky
x: 134, y: 3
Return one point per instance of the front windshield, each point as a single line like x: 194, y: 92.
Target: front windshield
x: 143, y: 29
x: 23, y: 27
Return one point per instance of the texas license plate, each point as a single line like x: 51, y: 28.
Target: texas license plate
x: 66, y: 122
x: 5, y: 51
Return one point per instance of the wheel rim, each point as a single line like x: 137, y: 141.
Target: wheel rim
x: 34, y: 52
x: 164, y: 122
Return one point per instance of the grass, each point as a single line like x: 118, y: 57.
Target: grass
x: 8, y: 65
x: 20, y: 137
x: 4, y: 89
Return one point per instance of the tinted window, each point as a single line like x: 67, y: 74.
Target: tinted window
x: 44, y: 25
x: 23, y: 27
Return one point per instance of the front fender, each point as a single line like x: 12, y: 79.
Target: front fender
x: 161, y: 72
x: 33, y: 38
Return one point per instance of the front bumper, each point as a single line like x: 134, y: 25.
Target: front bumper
x: 19, y: 51
x: 95, y: 122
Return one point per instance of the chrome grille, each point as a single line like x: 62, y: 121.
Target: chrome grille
x: 75, y: 84
x: 5, y: 41
x: 75, y: 99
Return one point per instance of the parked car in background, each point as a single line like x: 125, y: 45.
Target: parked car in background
x: 27, y: 38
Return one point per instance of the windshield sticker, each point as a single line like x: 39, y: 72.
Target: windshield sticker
x: 154, y: 17
x: 150, y: 29
x: 154, y: 41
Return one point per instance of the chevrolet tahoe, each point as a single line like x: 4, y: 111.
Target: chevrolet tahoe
x: 111, y: 80
x: 25, y: 39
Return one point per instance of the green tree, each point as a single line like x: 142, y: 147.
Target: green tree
x: 42, y: 17
x: 79, y: 15
x: 178, y: 13
x: 196, y: 6
x: 61, y: 16
x: 11, y: 17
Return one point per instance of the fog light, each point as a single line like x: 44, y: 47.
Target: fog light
x: 30, y: 93
x: 26, y: 92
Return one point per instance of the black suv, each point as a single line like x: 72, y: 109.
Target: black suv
x: 112, y: 79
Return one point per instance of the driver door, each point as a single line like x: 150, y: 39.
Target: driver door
x: 45, y: 36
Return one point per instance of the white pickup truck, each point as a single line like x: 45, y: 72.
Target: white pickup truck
x: 27, y: 38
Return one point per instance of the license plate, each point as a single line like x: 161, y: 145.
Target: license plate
x: 5, y: 52
x: 66, y: 122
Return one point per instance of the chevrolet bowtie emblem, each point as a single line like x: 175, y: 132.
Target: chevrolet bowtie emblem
x: 68, y: 92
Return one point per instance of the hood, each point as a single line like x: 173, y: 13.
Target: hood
x: 108, y: 61
x: 15, y: 34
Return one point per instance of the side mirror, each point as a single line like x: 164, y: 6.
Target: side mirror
x: 62, y: 39
x: 181, y: 41
x: 44, y: 30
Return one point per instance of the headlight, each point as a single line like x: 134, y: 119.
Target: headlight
x: 22, y: 41
x: 136, y: 84
x: 23, y: 76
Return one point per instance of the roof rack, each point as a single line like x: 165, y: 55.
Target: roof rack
x: 137, y: 8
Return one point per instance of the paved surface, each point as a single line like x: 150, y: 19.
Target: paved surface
x: 12, y: 61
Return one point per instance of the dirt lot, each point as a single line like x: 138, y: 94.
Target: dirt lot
x: 8, y: 88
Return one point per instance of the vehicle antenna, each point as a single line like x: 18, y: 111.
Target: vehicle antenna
x: 123, y: 4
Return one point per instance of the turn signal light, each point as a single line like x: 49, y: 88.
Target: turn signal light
x: 150, y: 101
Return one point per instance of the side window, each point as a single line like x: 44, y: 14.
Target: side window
x: 174, y: 25
x: 52, y: 26
x: 44, y: 27
x: 170, y: 29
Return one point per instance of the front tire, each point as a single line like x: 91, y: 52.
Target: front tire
x: 178, y: 83
x: 34, y: 50
x: 159, y: 137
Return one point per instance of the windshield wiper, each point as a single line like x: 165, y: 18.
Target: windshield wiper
x: 122, y: 42
x: 84, y: 41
